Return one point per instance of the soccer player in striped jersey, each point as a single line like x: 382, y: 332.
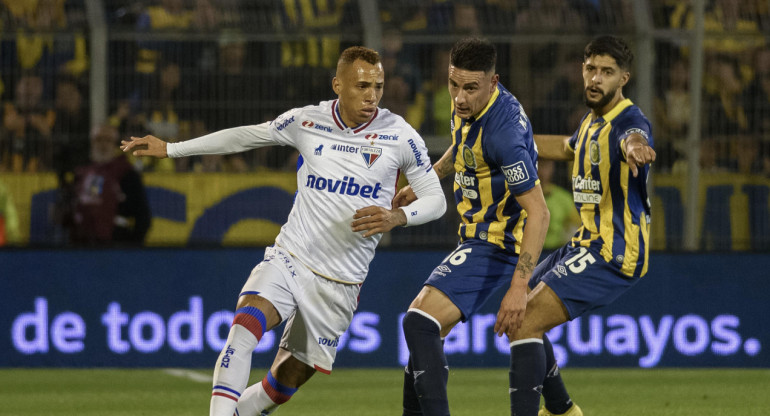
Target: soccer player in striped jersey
x: 493, y: 161
x: 352, y: 153
x: 612, y: 150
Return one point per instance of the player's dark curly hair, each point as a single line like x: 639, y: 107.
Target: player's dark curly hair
x: 354, y: 53
x: 612, y: 46
x: 473, y: 54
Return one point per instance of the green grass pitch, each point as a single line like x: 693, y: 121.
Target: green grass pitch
x: 375, y: 392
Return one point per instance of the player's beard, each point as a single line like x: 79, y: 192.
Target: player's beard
x: 601, y: 102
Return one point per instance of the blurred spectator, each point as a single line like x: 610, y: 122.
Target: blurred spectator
x: 310, y: 58
x: 758, y: 103
x: 564, y: 216
x: 672, y: 111
x: 9, y: 220
x: 25, y: 142
x: 561, y: 111
x: 725, y: 133
x: 437, y: 99
x: 731, y: 27
x: 403, y: 95
x: 71, y: 128
x: 109, y: 204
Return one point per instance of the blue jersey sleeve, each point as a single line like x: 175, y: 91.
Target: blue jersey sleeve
x: 511, y: 147
x: 634, y: 122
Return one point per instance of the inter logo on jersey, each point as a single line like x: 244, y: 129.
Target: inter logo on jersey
x: 370, y: 154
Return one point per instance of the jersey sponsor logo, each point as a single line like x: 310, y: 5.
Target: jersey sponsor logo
x: 637, y: 130
x: 587, y: 198
x: 329, y: 342
x: 594, y: 153
x: 374, y: 136
x: 344, y: 148
x: 516, y: 173
x: 370, y: 154
x: 346, y: 186
x: 470, y: 193
x: 312, y: 125
x: 416, y: 151
x: 586, y: 184
x: 465, y: 180
x: 318, y: 150
x: 586, y: 190
x: 284, y: 123
x: 468, y: 157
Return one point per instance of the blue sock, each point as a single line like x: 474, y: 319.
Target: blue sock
x: 410, y: 401
x: 557, y: 399
x: 429, y: 365
x: 526, y: 376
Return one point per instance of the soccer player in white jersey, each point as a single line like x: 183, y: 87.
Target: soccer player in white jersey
x: 351, y: 155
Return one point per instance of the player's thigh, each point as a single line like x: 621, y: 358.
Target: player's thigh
x: 438, y: 305
x: 324, y: 312
x: 471, y: 274
x: 544, y: 311
x: 271, y: 286
x: 582, y: 280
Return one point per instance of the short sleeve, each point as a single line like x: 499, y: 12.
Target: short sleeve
x: 511, y: 148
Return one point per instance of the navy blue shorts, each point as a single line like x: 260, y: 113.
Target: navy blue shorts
x: 472, y: 273
x: 581, y: 278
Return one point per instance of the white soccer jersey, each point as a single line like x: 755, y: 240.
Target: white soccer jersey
x: 342, y: 169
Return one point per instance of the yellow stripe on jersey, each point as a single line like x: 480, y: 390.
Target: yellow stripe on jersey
x: 631, y: 253
x: 606, y: 230
x: 646, y: 238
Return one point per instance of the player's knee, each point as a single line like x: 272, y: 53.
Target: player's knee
x: 416, y: 323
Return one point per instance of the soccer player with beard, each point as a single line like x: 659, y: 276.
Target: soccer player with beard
x: 351, y: 155
x: 612, y: 150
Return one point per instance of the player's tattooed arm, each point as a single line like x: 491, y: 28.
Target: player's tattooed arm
x: 445, y: 166
x: 525, y: 266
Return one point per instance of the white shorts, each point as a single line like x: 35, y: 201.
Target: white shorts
x: 318, y: 310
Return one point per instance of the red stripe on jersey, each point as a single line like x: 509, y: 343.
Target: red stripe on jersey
x: 323, y: 370
x: 334, y: 115
x: 376, y: 111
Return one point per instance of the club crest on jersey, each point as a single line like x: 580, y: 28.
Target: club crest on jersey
x: 468, y: 157
x: 594, y: 154
x: 370, y: 154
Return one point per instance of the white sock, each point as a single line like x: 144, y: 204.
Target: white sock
x: 231, y: 373
x: 255, y: 402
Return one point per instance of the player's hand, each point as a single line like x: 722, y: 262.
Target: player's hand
x: 639, y: 154
x: 145, y: 146
x: 372, y: 220
x: 404, y: 197
x: 511, y: 312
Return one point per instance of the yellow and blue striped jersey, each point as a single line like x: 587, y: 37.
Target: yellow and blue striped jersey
x: 612, y: 203
x: 494, y: 159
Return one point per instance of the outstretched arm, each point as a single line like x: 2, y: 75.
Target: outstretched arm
x: 553, y: 147
x: 638, y: 152
x: 234, y: 140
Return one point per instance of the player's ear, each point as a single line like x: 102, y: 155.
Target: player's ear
x: 624, y: 78
x: 493, y: 85
x: 336, y: 85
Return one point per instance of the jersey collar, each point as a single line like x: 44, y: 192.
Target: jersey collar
x: 619, y: 107
x: 341, y: 124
